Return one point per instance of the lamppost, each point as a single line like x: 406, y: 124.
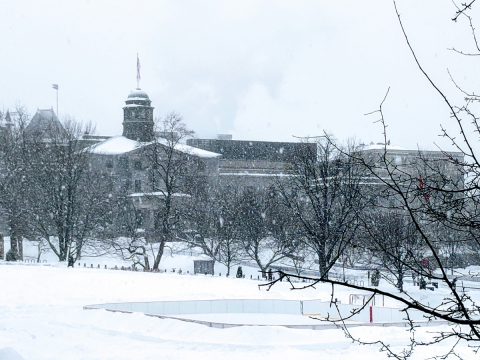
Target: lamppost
x: 55, y: 86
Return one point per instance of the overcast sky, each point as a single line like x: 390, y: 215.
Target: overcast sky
x: 260, y: 70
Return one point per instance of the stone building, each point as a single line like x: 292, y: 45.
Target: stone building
x: 412, y: 170
x: 45, y: 125
x: 251, y: 163
x: 124, y: 159
x: 414, y: 163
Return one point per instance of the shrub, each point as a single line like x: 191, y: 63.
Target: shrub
x: 12, y: 255
x: 376, y: 277
x: 423, y: 284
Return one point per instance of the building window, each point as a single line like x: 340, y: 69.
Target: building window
x: 200, y: 165
x: 139, y: 218
x: 138, y: 185
x: 123, y: 163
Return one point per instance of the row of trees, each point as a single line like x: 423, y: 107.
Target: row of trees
x: 323, y: 212
x: 335, y: 204
x: 53, y: 193
x: 49, y: 193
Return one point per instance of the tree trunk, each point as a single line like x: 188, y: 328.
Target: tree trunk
x: 159, y: 254
x: 62, y: 250
x: 13, y: 243
x: 400, y: 280
x: 322, y: 265
x: 20, y: 248
x: 71, y: 261
x: 39, y: 246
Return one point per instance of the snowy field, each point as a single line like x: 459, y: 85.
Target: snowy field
x: 42, y: 317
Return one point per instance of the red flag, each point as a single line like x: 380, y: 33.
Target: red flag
x: 421, y: 185
x: 138, y: 71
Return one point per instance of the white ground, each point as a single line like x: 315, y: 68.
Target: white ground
x: 252, y: 319
x: 41, y: 317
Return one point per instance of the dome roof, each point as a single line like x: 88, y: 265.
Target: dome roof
x: 138, y: 94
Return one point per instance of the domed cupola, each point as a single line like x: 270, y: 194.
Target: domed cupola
x: 138, y: 117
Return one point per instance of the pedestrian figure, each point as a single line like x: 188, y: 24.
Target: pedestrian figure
x: 269, y: 274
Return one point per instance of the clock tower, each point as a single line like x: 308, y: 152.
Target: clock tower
x: 138, y: 117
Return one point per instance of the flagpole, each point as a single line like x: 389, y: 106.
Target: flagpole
x: 55, y: 86
x: 138, y: 72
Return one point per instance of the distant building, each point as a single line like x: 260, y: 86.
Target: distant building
x: 252, y: 163
x: 124, y: 161
x: 414, y: 163
x: 45, y: 125
x: 5, y: 121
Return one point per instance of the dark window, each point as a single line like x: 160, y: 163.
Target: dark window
x: 139, y: 218
x: 138, y: 185
x: 157, y: 220
x: 123, y: 163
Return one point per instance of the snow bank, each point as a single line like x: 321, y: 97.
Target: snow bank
x: 42, y: 317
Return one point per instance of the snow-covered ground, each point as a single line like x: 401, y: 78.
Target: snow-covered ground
x: 42, y: 317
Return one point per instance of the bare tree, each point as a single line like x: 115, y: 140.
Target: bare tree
x: 322, y: 194
x: 14, y: 189
x: 69, y: 197
x: 125, y: 234
x: 261, y: 227
x: 204, y: 220
x: 168, y: 166
x: 393, y: 243
x: 439, y: 200
x: 213, y: 220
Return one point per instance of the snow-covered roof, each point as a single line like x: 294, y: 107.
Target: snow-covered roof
x: 135, y: 105
x: 116, y: 145
x: 187, y: 149
x: 120, y: 145
x: 138, y: 94
x: 157, y: 193
x: 196, y: 151
x: 382, y: 147
x: 45, y: 123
